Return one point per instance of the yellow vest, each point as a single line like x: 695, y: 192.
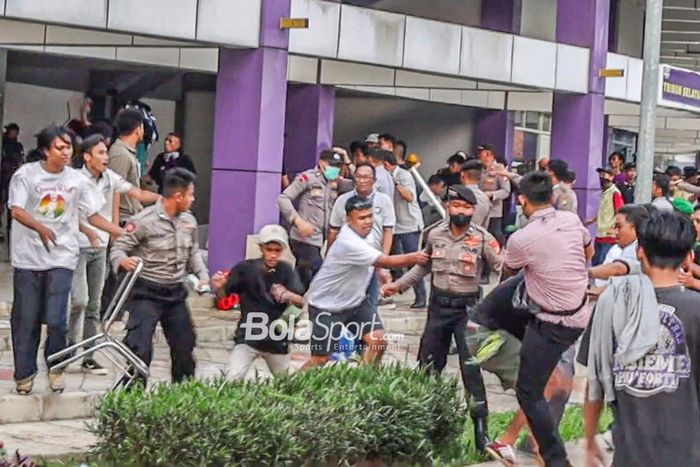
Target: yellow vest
x: 606, y: 213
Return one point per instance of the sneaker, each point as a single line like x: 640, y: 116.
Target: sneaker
x: 24, y: 386
x: 418, y: 304
x: 608, y: 441
x: 502, y: 453
x: 56, y: 382
x: 387, y: 303
x: 91, y: 366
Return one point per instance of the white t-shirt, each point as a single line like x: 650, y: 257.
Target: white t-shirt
x: 106, y: 185
x: 57, y: 201
x: 409, y: 217
x: 627, y: 255
x: 383, y: 216
x: 342, y: 281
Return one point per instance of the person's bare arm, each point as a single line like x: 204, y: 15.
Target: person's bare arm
x: 695, y: 270
x: 143, y: 196
x: 23, y: 217
x: 606, y: 271
x: 91, y: 235
x: 591, y: 417
x: 116, y: 201
x: 405, y: 193
x: 402, y: 261
x: 589, y: 250
x: 387, y: 240
x: 332, y: 235
x: 103, y: 224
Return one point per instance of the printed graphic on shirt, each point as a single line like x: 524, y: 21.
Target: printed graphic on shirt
x: 52, y: 205
x: 661, y: 369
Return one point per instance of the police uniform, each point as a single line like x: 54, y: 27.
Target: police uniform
x: 169, y: 250
x: 456, y: 264
x: 314, y: 196
x: 565, y: 198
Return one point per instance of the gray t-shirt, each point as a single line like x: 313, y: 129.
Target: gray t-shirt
x: 662, y: 203
x: 57, y: 201
x: 409, y: 217
x: 342, y: 281
x: 384, y: 183
x: 384, y: 216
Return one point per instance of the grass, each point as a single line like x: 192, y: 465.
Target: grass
x: 570, y: 428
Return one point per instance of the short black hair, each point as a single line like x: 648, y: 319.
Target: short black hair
x: 674, y: 171
x: 666, y: 238
x: 663, y: 182
x: 379, y: 154
x: 456, y: 159
x: 388, y: 137
x: 46, y: 137
x: 101, y: 128
x: 357, y: 203
x: 614, y: 154
x: 630, y: 166
x: 177, y: 180
x: 537, y: 188
x: 559, y: 168
x: 90, y: 142
x: 127, y: 121
x: 435, y: 179
x: 367, y: 164
x: 635, y: 214
x: 390, y: 158
x: 355, y: 145
x: 570, y: 177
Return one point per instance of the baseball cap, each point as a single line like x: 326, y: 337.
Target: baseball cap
x: 332, y: 157
x: 461, y: 192
x: 372, y: 138
x: 11, y: 126
x: 606, y: 170
x: 273, y: 233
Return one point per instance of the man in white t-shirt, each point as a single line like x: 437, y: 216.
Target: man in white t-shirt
x: 337, y: 295
x: 89, y: 276
x: 47, y: 199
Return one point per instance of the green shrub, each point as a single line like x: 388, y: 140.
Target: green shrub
x: 335, y: 415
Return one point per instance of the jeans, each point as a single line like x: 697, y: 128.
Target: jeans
x: 86, y: 294
x: 373, y: 291
x: 39, y: 297
x: 408, y: 243
x: 601, y: 251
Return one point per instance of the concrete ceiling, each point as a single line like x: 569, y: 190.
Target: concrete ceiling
x: 680, y: 33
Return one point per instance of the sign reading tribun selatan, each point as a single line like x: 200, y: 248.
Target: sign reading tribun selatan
x: 679, y: 88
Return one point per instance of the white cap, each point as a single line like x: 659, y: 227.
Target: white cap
x: 273, y: 233
x: 372, y: 138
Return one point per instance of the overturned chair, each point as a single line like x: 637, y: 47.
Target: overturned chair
x: 131, y: 366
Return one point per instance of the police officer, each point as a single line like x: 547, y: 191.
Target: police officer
x: 565, y: 198
x: 471, y: 177
x: 314, y: 192
x: 458, y: 251
x: 164, y: 237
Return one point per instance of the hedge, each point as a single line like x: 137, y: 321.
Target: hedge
x: 338, y: 415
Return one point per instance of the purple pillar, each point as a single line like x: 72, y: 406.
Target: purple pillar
x: 495, y: 127
x: 251, y: 94
x: 578, y: 121
x: 308, y: 125
x: 501, y: 15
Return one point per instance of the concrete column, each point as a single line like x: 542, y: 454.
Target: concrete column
x: 501, y: 15
x: 3, y: 76
x: 578, y: 121
x: 308, y: 125
x: 495, y: 127
x: 251, y: 95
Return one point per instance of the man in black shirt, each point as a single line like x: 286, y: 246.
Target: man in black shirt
x: 12, y: 159
x: 656, y: 399
x: 267, y: 286
x: 170, y: 159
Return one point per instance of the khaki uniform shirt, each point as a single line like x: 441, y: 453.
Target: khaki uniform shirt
x: 500, y: 187
x: 565, y: 198
x: 456, y: 262
x: 168, y: 247
x: 483, y: 207
x: 314, y: 196
x: 122, y: 160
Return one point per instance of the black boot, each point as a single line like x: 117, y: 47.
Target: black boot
x: 481, y: 433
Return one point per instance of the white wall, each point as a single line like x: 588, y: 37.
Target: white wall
x: 539, y: 19
x: 435, y: 131
x: 199, y: 143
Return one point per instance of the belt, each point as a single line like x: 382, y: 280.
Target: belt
x: 454, y: 301
x: 566, y: 312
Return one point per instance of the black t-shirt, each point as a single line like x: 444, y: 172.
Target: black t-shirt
x: 449, y: 178
x: 160, y: 165
x: 627, y: 192
x: 657, y: 411
x: 252, y: 281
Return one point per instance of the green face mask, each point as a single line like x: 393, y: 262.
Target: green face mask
x: 331, y: 173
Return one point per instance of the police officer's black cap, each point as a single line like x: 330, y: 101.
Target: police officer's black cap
x: 473, y: 164
x: 461, y: 192
x: 11, y: 126
x: 486, y: 147
x: 332, y: 157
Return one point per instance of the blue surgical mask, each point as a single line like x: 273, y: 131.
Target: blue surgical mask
x: 331, y: 173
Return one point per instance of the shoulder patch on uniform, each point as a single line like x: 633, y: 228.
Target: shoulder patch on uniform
x: 493, y: 243
x: 130, y: 227
x: 303, y: 178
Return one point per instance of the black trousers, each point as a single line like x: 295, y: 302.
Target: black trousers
x: 150, y: 304
x: 543, y: 344
x: 443, y: 324
x: 308, y: 261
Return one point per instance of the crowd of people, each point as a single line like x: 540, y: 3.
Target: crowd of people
x: 363, y: 228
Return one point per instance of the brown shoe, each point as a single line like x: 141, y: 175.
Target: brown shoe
x: 24, y: 386
x: 56, y: 381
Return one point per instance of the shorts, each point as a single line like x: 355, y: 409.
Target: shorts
x: 327, y: 327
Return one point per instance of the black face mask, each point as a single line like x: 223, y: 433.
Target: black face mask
x: 604, y: 183
x: 460, y: 220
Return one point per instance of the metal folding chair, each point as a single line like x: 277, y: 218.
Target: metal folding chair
x: 130, y: 365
